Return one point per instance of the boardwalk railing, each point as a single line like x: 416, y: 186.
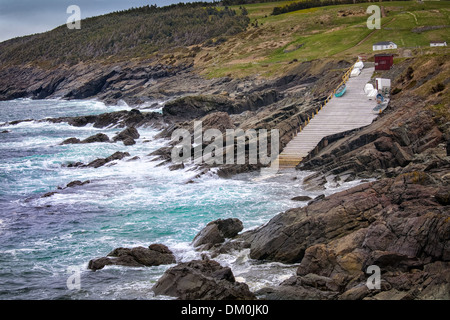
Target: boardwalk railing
x: 345, y: 78
x: 351, y: 111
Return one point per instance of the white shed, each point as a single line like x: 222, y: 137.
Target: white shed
x: 384, y: 45
x: 438, y: 44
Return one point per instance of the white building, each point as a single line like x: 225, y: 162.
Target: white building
x: 438, y: 44
x: 384, y: 45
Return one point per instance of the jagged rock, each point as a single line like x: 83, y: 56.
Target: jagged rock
x: 133, y: 159
x: 128, y: 133
x: 295, y: 289
x: 154, y: 255
x: 164, y: 153
x: 316, y: 199
x: 71, y: 141
x: 228, y: 246
x: 190, y: 107
x: 99, y: 137
x: 129, y: 141
x: 77, y: 183
x: 288, y: 235
x: 216, y: 232
x: 102, y: 161
x: 75, y: 164
x: 176, y: 167
x: 389, y: 261
x: 201, y: 280
x: 49, y: 194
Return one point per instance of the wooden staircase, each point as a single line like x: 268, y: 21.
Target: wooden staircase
x: 351, y: 111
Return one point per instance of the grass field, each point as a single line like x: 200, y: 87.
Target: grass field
x: 277, y: 42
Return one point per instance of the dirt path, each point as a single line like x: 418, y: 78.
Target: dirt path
x: 371, y: 34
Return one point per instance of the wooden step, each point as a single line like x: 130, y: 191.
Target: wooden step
x: 351, y: 111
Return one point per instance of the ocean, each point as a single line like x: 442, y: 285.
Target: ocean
x: 126, y: 204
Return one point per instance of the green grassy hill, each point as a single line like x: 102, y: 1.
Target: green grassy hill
x: 333, y: 31
x: 223, y: 41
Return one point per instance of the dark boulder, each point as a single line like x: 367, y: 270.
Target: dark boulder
x: 75, y: 164
x: 154, y: 255
x: 201, y: 280
x: 71, y: 141
x: 216, y: 232
x: 77, y: 183
x: 102, y: 161
x: 129, y: 141
x: 130, y: 132
x: 49, y: 194
x: 99, y: 137
x: 301, y: 198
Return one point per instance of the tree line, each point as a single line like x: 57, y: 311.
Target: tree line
x: 126, y: 34
x: 314, y: 4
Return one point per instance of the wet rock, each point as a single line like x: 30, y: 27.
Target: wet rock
x: 99, y: 137
x: 128, y: 133
x: 154, y: 255
x: 164, y: 153
x: 77, y: 183
x: 228, y: 247
x: 316, y: 199
x: 71, y: 141
x: 133, y: 159
x: 216, y: 232
x: 176, y: 167
x: 201, y: 280
x: 75, y: 164
x: 129, y: 141
x: 102, y: 161
x: 301, y: 198
x: 49, y: 194
x: 287, y: 236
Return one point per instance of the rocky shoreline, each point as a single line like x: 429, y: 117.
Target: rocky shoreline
x: 400, y: 222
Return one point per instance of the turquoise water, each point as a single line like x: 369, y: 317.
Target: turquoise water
x: 126, y: 204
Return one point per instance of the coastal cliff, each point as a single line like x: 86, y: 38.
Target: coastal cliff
x: 398, y: 221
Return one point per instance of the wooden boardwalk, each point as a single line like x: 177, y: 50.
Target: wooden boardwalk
x: 352, y: 110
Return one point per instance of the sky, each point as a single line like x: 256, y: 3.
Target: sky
x: 24, y: 17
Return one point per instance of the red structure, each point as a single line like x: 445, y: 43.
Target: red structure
x: 384, y: 61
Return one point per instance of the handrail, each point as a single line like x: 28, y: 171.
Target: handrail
x: 345, y: 78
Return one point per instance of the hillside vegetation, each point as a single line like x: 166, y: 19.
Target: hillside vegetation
x: 238, y: 39
x: 272, y: 44
x: 134, y: 33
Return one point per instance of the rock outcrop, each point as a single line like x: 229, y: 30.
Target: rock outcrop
x: 201, y: 280
x: 397, y: 224
x: 127, y: 136
x: 216, y: 232
x: 154, y: 255
x: 102, y: 161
